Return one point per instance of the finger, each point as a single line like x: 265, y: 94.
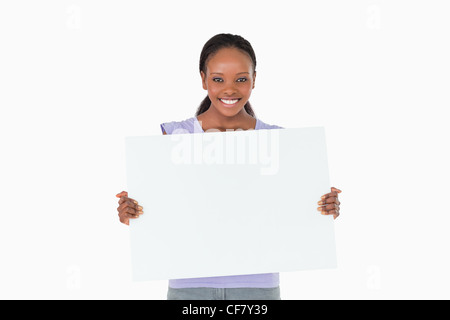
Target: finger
x: 337, y: 214
x: 124, y: 199
x: 129, y: 203
x: 122, y: 205
x: 327, y: 201
x: 138, y: 210
x: 127, y: 215
x: 132, y: 216
x: 329, y: 195
x: 132, y: 211
x: 327, y: 207
x: 331, y: 206
x: 334, y: 213
x: 336, y: 190
x: 325, y: 196
x: 322, y: 210
x: 125, y: 221
x: 121, y: 194
x: 128, y: 210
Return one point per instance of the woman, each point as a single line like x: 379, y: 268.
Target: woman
x: 228, y: 73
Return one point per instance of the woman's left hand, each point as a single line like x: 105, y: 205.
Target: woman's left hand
x: 329, y: 203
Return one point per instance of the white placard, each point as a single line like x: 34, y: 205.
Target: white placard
x: 229, y: 203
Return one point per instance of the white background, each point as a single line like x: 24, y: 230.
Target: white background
x: 76, y: 77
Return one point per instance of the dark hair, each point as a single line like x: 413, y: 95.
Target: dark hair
x: 220, y: 41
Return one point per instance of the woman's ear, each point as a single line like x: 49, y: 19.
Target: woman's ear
x: 203, y: 80
x: 254, y: 79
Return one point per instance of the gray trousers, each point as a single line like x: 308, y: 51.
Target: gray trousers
x: 224, y: 294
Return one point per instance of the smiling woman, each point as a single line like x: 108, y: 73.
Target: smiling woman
x: 229, y: 79
x: 228, y: 71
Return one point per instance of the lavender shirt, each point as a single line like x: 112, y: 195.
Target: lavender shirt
x: 264, y: 280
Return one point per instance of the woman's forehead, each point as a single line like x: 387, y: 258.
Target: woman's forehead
x: 229, y: 60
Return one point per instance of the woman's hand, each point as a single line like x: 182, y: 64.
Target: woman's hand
x: 128, y: 208
x: 330, y: 203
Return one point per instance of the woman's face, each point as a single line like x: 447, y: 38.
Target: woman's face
x: 229, y: 80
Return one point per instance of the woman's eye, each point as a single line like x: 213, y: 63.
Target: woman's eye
x: 221, y: 80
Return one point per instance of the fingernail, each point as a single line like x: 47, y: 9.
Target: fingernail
x: 135, y: 201
x: 140, y: 208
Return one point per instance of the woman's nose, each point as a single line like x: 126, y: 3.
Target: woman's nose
x: 230, y: 89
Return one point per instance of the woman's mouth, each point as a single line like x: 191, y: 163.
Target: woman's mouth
x: 229, y: 102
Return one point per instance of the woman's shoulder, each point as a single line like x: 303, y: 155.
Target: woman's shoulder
x: 190, y: 126
x: 177, y: 127
x: 263, y: 125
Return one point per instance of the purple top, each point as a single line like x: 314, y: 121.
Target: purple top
x: 263, y: 280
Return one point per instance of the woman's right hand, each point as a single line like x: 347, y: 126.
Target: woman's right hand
x: 128, y: 208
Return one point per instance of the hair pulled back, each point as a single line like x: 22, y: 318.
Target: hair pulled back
x: 220, y: 41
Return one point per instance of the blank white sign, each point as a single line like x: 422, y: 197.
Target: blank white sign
x: 229, y: 203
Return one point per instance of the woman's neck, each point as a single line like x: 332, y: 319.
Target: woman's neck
x: 211, y: 119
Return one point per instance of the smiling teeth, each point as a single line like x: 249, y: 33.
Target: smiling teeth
x: 229, y: 101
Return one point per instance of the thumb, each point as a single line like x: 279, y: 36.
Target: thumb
x: 335, y: 189
x: 121, y: 194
